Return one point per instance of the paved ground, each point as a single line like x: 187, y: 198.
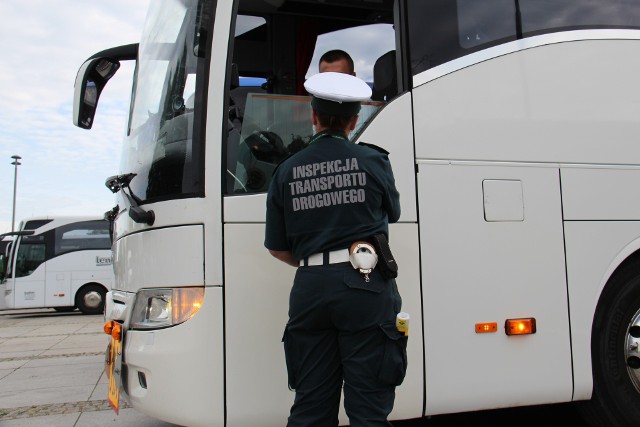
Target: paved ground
x: 52, y: 372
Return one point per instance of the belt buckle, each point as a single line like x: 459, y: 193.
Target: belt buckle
x: 363, y: 258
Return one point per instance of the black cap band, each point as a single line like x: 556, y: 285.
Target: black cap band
x: 332, y: 108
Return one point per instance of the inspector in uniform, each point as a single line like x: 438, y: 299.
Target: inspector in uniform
x: 322, y: 201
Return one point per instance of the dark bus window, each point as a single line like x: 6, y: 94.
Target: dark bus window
x: 31, y: 253
x: 443, y: 30
x: 82, y: 236
x: 36, y: 223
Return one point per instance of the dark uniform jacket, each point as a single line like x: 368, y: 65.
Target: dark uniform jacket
x: 329, y: 195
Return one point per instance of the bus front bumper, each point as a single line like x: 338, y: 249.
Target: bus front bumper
x: 176, y: 374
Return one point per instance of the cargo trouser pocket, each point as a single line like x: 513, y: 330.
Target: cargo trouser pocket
x: 355, y: 280
x: 291, y: 359
x: 393, y: 366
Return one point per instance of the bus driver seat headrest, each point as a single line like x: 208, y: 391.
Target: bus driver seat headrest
x: 385, y: 82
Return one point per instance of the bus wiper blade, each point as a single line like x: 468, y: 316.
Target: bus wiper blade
x: 121, y: 183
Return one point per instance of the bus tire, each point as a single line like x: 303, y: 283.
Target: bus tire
x: 615, y: 352
x: 90, y: 298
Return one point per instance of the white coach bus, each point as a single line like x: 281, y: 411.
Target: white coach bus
x: 62, y: 263
x: 513, y: 128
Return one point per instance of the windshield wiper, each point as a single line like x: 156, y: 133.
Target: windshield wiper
x: 121, y: 182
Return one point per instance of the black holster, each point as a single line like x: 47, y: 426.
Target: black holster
x: 386, y: 263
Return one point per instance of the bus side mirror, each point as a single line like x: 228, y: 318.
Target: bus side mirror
x: 92, y: 77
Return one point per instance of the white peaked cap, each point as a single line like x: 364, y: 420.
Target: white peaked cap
x: 338, y: 87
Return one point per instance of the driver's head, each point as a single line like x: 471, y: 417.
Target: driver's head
x: 337, y: 61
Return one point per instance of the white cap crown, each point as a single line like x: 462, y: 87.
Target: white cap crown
x: 338, y: 87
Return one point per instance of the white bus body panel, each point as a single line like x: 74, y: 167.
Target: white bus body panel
x: 176, y: 258
x: 257, y: 298
x: 475, y: 271
x: 601, y: 193
x: 183, y: 367
x: 561, y: 105
x: 602, y: 230
x: 594, y: 250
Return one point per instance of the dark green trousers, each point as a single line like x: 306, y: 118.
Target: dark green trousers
x: 341, y: 329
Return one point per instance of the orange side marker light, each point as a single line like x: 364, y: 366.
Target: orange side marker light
x: 524, y: 326
x: 486, y: 327
x: 116, y: 332
x: 108, y: 327
x: 114, y: 329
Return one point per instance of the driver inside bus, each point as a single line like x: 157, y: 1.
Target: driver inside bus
x: 337, y: 61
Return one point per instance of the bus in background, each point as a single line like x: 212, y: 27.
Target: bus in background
x: 512, y: 127
x: 62, y: 263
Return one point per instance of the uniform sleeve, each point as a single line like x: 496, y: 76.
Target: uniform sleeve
x: 275, y: 232
x: 391, y: 197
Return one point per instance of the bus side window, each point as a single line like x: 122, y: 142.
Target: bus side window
x: 82, y: 235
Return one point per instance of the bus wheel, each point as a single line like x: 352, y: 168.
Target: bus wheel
x: 615, y: 352
x: 90, y: 299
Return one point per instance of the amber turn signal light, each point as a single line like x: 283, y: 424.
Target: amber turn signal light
x: 114, y: 329
x: 523, y: 326
x: 108, y: 327
x: 486, y: 327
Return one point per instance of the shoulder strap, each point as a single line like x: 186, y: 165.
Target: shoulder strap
x: 375, y: 147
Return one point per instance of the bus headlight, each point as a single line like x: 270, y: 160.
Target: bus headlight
x: 164, y: 307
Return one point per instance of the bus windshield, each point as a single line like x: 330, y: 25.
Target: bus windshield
x: 161, y: 147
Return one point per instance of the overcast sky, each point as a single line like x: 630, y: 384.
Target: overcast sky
x: 43, y: 43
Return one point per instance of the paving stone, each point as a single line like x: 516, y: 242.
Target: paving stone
x: 52, y: 372
x: 63, y: 359
x: 44, y: 396
x: 56, y: 409
x: 126, y: 417
x: 65, y: 420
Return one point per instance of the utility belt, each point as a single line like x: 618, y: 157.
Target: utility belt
x: 363, y: 255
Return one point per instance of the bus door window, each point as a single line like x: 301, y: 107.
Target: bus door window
x: 31, y: 253
x: 270, y: 114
